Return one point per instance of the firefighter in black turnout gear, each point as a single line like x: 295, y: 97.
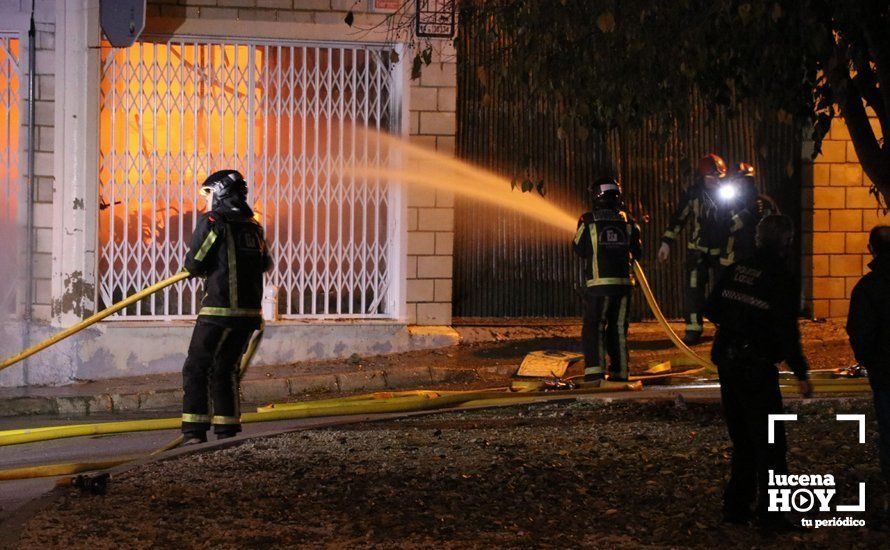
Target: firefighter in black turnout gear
x: 755, y: 308
x: 748, y: 207
x: 608, y: 240
x: 710, y: 229
x: 229, y: 252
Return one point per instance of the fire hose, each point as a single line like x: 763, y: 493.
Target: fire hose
x: 95, y: 318
x: 380, y: 403
x: 666, y: 327
x: 92, y: 320
x: 386, y: 403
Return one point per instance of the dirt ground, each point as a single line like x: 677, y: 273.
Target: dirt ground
x: 825, y: 344
x: 593, y: 474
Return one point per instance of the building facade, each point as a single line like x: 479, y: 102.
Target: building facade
x: 102, y: 151
x: 284, y: 91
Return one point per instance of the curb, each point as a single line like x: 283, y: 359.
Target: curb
x: 253, y: 391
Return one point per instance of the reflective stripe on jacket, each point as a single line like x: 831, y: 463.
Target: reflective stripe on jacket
x: 230, y: 253
x: 710, y: 221
x: 609, y: 240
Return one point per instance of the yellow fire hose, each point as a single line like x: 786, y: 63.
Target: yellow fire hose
x: 382, y: 402
x: 659, y: 316
x: 93, y: 319
x: 368, y: 404
x: 71, y: 468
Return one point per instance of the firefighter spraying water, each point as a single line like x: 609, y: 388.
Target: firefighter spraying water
x: 608, y: 241
x: 229, y: 252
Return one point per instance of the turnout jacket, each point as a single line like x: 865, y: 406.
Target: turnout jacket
x: 710, y: 220
x: 609, y: 240
x: 755, y: 306
x: 228, y: 250
x: 868, y: 322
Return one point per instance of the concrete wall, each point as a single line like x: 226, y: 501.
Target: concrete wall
x: 109, y: 350
x: 838, y: 213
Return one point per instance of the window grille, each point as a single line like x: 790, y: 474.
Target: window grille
x: 173, y: 111
x: 10, y: 168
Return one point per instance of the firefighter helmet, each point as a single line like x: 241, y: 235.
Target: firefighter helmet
x: 605, y: 187
x: 224, y: 184
x: 745, y: 170
x: 711, y: 165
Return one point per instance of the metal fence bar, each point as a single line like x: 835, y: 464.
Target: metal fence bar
x: 174, y: 110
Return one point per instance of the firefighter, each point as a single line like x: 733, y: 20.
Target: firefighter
x: 868, y: 324
x: 710, y: 216
x: 755, y: 307
x: 229, y: 252
x: 748, y: 207
x: 609, y: 240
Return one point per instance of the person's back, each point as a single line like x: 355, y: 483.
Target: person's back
x: 608, y: 241
x: 868, y: 321
x: 755, y: 305
x: 234, y: 269
x: 754, y: 308
x: 868, y: 324
x: 229, y: 252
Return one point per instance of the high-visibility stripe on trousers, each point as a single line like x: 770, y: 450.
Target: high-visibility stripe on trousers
x: 210, y: 378
x: 603, y: 333
x: 699, y: 269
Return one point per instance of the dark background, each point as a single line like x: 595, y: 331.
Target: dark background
x: 506, y: 265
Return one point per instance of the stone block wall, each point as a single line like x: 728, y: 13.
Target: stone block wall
x: 838, y: 213
x: 44, y: 104
x: 432, y: 125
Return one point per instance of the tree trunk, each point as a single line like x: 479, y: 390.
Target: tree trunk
x: 872, y: 89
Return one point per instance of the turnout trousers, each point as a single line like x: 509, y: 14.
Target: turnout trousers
x: 211, y: 377
x: 749, y: 391
x: 700, y: 266
x: 604, y: 331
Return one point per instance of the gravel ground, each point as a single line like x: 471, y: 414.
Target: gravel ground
x: 595, y: 474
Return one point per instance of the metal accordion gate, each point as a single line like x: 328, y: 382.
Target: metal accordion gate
x: 173, y: 110
x: 11, y: 82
